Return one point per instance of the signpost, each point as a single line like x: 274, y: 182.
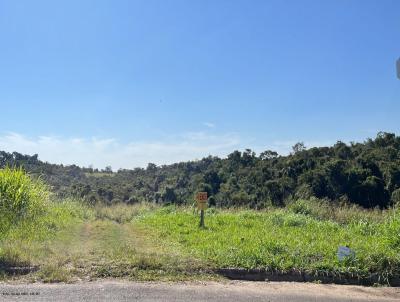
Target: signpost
x: 202, y: 198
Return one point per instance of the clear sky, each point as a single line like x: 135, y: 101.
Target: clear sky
x: 123, y: 83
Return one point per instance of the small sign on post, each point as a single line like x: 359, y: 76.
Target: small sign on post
x: 201, y: 199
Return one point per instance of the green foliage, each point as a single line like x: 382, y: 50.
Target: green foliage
x: 281, y: 240
x: 301, y: 207
x: 339, y: 213
x: 146, y: 242
x: 396, y: 197
x: 365, y: 174
x: 29, y: 239
x: 21, y: 198
x: 28, y: 215
x: 72, y: 242
x: 54, y: 217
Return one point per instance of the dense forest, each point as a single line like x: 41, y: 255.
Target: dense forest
x: 365, y: 173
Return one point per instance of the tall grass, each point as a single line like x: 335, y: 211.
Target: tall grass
x: 21, y: 198
x: 299, y: 238
x: 29, y: 218
x: 122, y: 213
x: 340, y: 213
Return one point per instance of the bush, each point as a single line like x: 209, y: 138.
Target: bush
x: 301, y: 207
x: 396, y: 197
x: 21, y: 197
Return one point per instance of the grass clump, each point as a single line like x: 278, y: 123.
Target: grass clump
x: 121, y: 212
x: 53, y: 273
x: 337, y: 212
x: 21, y: 198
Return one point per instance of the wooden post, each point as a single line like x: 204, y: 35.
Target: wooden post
x: 201, y: 198
x: 202, y: 218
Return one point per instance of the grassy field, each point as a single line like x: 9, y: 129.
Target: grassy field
x: 81, y: 243
x: 144, y: 242
x: 299, y: 238
x: 65, y: 241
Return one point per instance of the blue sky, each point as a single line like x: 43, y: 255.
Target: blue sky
x: 124, y: 83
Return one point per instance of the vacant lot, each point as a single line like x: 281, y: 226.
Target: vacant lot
x: 144, y: 242
x: 298, y: 238
x: 90, y: 243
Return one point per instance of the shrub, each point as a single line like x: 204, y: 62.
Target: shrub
x: 20, y: 197
x: 301, y: 207
x: 396, y: 197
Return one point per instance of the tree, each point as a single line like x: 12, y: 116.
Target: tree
x: 298, y: 147
x: 169, y: 195
x: 213, y: 180
x: 364, y: 173
x: 151, y: 167
x: 248, y: 157
x: 267, y: 155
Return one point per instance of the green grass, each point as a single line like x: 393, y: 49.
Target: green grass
x: 144, y: 242
x: 68, y: 241
x: 286, y: 240
x: 30, y: 240
x: 21, y: 198
x: 31, y: 220
x: 72, y: 242
x: 28, y: 216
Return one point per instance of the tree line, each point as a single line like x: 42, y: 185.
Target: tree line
x: 367, y: 174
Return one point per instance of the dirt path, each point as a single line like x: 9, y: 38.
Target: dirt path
x: 104, y: 248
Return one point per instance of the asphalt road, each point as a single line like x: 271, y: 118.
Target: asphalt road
x: 192, y: 292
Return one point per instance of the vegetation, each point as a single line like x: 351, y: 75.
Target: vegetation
x: 65, y: 240
x: 278, y: 213
x: 29, y: 218
x: 141, y: 242
x: 68, y: 241
x: 92, y: 243
x: 21, y: 198
x: 367, y: 174
x: 304, y: 237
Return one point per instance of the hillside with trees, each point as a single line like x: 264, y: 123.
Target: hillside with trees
x: 367, y: 174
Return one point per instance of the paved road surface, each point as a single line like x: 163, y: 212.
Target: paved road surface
x: 192, y: 292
